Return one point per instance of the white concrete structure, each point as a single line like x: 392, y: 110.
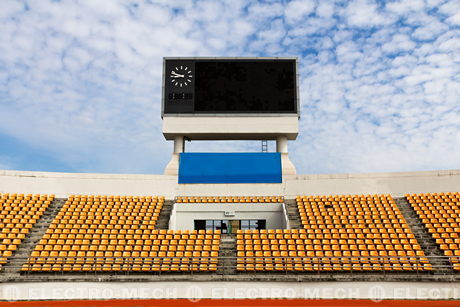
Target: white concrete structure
x: 183, y: 215
x: 194, y: 291
x: 64, y: 184
x: 280, y: 127
x: 220, y: 127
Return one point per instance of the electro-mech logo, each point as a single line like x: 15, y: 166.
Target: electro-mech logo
x: 194, y: 294
x: 377, y: 293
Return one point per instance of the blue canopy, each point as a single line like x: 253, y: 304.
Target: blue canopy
x: 263, y: 167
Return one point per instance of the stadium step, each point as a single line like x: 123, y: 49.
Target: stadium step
x: 293, y: 214
x: 227, y: 249
x: 165, y: 214
x: 426, y: 241
x: 24, y: 250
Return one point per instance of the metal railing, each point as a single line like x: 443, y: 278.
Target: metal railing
x: 236, y: 265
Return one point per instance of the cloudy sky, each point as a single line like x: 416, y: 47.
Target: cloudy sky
x: 80, y: 81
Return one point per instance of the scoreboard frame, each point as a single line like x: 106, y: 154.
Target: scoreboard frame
x: 182, y: 72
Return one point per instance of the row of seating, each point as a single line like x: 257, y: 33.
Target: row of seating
x: 229, y: 199
x: 130, y: 234
x: 18, y: 214
x: 122, y: 261
x: 302, y: 264
x: 122, y: 245
x: 310, y: 235
x: 137, y: 265
x: 440, y: 213
x: 434, y: 197
x: 118, y: 198
x: 117, y: 233
x: 375, y: 198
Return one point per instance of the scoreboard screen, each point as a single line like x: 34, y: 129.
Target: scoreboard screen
x: 230, y: 86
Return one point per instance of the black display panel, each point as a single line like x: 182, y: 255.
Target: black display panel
x: 230, y: 86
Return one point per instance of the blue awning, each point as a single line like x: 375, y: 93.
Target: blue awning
x: 263, y: 167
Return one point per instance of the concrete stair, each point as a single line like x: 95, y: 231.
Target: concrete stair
x: 426, y: 241
x: 227, y: 249
x: 165, y: 214
x: 36, y: 233
x: 293, y: 214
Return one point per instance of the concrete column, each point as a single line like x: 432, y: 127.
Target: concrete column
x: 282, y: 147
x: 179, y: 144
x: 282, y: 144
x: 173, y: 166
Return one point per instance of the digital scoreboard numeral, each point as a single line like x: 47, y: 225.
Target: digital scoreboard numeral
x: 180, y: 96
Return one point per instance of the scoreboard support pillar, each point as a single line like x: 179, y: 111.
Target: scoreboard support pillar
x: 282, y: 144
x: 286, y: 164
x: 179, y: 143
x: 179, y: 147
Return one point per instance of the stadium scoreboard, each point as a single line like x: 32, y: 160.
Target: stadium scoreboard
x: 230, y: 86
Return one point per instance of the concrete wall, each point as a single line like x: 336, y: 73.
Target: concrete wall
x: 194, y: 291
x: 228, y: 127
x: 183, y: 215
x: 63, y: 184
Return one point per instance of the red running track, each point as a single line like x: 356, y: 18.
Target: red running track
x: 230, y: 302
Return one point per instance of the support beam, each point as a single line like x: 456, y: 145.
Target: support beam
x: 287, y: 166
x: 282, y: 144
x: 179, y: 147
x: 179, y: 144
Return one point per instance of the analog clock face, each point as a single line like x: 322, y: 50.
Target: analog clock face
x: 181, y: 76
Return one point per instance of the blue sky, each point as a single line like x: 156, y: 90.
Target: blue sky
x: 80, y: 81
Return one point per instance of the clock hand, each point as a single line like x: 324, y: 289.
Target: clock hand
x: 176, y: 74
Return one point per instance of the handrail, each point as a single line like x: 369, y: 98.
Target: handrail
x: 224, y: 263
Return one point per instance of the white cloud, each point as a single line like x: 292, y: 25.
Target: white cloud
x: 11, y: 8
x: 430, y: 30
x: 450, y: 7
x: 365, y: 13
x: 325, y: 9
x: 454, y: 19
x: 398, y: 43
x: 296, y: 10
x: 403, y: 7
